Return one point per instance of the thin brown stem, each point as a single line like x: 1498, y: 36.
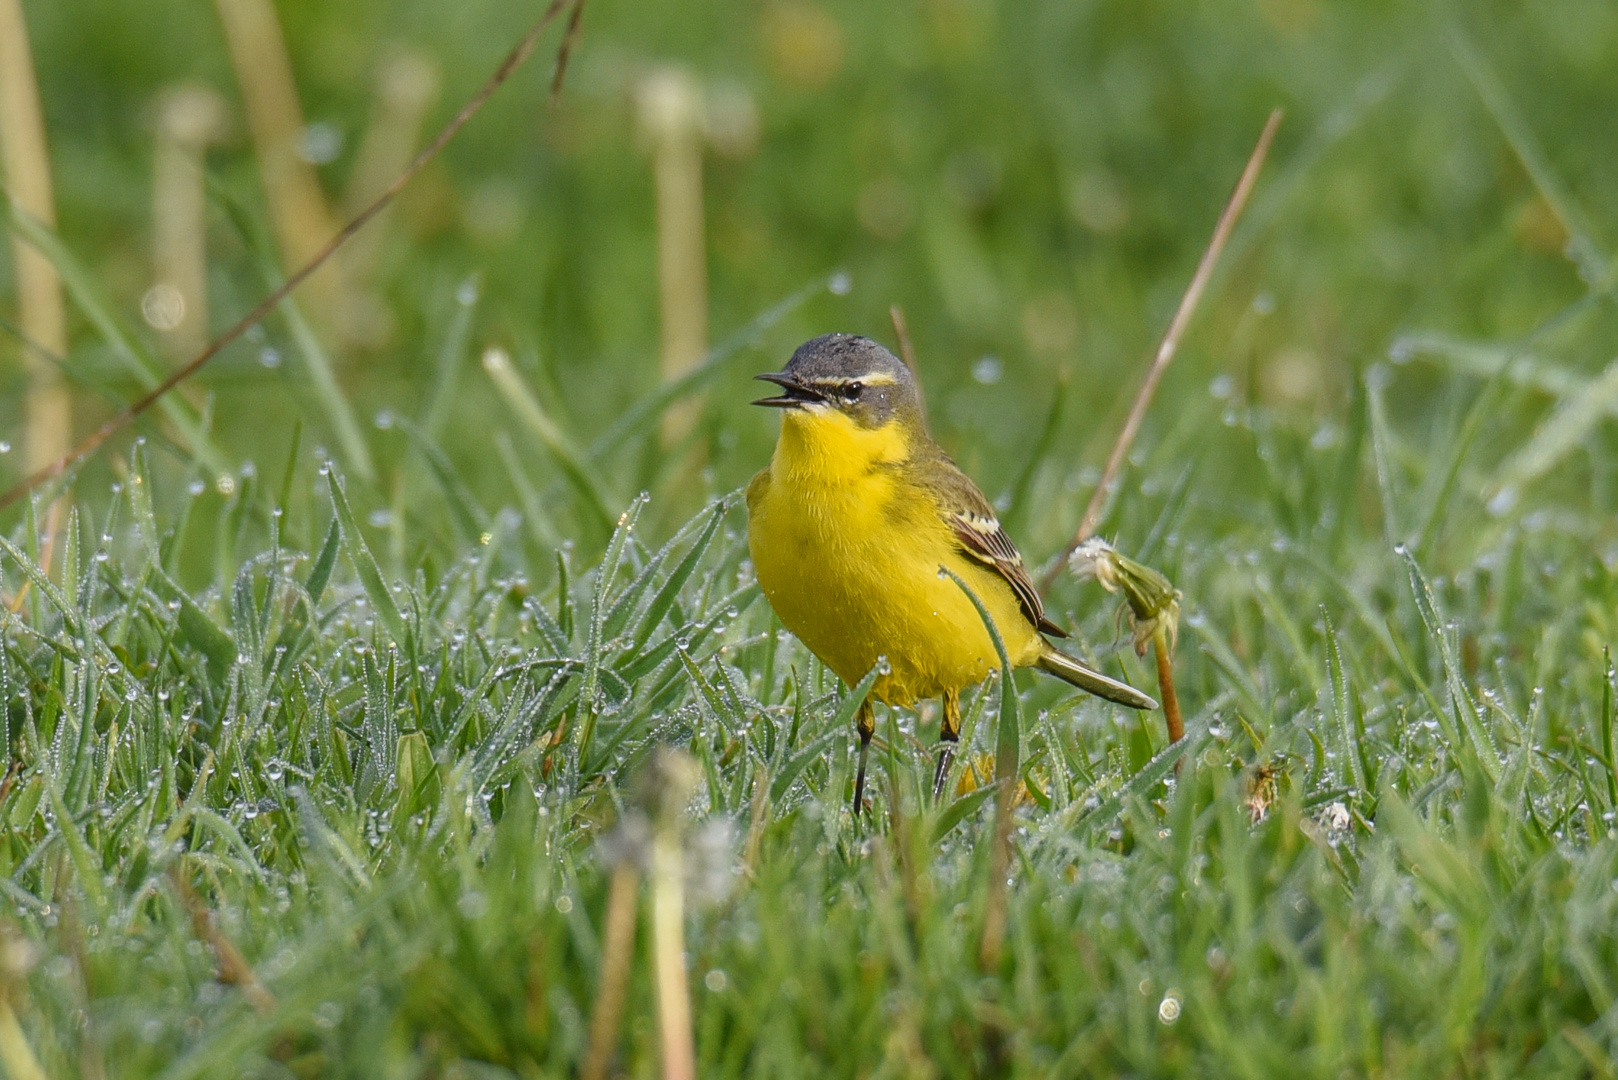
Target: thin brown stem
x: 901, y: 331
x: 233, y: 968
x: 1165, y: 685
x: 1169, y: 345
x: 907, y: 349
x: 125, y: 416
x: 618, y: 943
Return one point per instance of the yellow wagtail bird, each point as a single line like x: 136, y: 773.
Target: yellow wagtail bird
x: 851, y: 525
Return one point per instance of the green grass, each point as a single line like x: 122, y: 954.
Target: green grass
x: 393, y: 796
x: 380, y: 735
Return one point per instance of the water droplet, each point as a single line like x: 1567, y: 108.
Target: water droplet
x: 269, y: 356
x: 5, y: 447
x: 988, y: 370
x: 840, y: 283
x: 1168, y: 1010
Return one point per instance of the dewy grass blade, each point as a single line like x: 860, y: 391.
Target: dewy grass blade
x: 1008, y: 735
x: 470, y: 518
x: 1460, y: 696
x: 1565, y: 429
x: 1147, y: 777
x: 1609, y: 738
x: 961, y: 809
x: 605, y: 575
x: 1375, y: 380
x: 1352, y: 750
x: 586, y: 483
x: 359, y: 555
x: 135, y: 359
x: 642, y: 629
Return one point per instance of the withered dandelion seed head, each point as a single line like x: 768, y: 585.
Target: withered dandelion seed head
x: 1153, y: 600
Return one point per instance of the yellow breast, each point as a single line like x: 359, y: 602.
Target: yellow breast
x: 848, y: 553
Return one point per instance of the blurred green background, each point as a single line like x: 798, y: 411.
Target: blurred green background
x: 1032, y: 183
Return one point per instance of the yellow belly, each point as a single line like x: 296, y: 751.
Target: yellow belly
x: 850, y: 564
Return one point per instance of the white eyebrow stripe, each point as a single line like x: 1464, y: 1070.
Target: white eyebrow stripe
x: 876, y: 378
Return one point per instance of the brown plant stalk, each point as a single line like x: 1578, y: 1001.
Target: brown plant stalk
x: 514, y: 60
x: 1169, y: 345
x: 617, y: 946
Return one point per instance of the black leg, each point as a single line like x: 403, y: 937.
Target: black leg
x: 949, y: 733
x: 865, y: 723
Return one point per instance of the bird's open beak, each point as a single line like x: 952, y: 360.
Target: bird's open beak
x: 797, y: 395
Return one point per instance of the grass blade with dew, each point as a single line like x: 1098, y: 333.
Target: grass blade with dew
x: 1008, y: 733
x: 1460, y: 697
x: 318, y: 364
x: 98, y: 310
x: 1156, y: 770
x: 446, y: 371
x: 624, y: 608
x: 1567, y: 428
x: 961, y: 809
x: 641, y: 630
x: 605, y: 575
x: 1007, y: 749
x: 590, y: 488
x: 471, y: 520
x: 1353, y: 750
x: 359, y: 555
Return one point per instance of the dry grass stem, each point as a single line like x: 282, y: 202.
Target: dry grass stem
x: 669, y: 109
x: 1170, y: 344
x: 406, y: 88
x: 514, y: 59
x: 302, y: 219
x: 617, y: 948
x: 232, y: 966
x: 901, y: 332
x: 675, y: 777
x: 20, y: 1062
x: 1163, y: 652
x: 189, y: 118
x: 27, y: 170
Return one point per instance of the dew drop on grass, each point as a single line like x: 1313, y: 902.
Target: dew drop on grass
x: 1168, y: 1010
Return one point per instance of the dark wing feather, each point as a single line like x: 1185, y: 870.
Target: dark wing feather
x: 973, y: 521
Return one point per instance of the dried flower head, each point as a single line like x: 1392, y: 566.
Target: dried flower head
x: 1154, y: 602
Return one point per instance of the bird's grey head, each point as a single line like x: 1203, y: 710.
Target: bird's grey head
x: 851, y: 374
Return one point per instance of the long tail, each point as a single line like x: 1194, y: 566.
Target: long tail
x: 1086, y: 678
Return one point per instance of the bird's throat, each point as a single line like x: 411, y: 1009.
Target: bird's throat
x: 822, y: 447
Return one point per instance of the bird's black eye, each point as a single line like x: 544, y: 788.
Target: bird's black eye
x: 853, y: 390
